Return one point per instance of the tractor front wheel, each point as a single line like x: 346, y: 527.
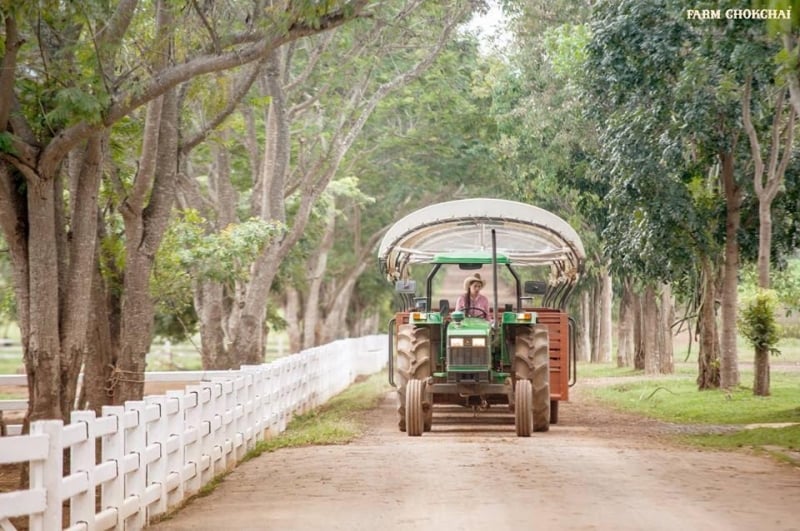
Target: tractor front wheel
x: 415, y: 416
x: 523, y: 408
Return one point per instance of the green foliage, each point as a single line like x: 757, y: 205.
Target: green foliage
x: 666, y: 94
x: 566, y: 49
x: 757, y: 320
x: 73, y: 104
x: 225, y: 256
x: 8, y: 300
x: 188, y: 254
x: 6, y: 142
x: 784, y: 281
x: 8, y: 304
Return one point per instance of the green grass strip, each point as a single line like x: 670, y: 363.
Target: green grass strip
x: 338, y: 421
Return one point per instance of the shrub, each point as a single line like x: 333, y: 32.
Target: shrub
x: 757, y: 321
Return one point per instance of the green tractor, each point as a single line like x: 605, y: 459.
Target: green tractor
x: 520, y: 354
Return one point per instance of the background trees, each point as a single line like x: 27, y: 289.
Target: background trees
x: 71, y: 74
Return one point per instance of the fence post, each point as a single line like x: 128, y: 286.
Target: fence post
x: 48, y: 475
x: 217, y: 416
x: 194, y: 453
x: 157, y: 470
x: 271, y: 400
x: 207, y: 431
x: 82, y: 459
x: 112, y: 493
x: 259, y: 410
x: 175, y: 458
x: 136, y: 479
x: 249, y: 406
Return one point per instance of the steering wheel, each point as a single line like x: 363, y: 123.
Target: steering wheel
x: 470, y: 308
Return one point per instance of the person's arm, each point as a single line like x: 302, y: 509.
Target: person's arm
x: 460, y: 303
x: 483, y: 304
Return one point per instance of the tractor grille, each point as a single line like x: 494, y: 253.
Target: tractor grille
x: 475, y: 356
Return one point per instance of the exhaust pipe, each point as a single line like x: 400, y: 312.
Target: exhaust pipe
x: 494, y: 276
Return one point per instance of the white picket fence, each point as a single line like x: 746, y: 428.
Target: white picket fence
x: 153, y: 454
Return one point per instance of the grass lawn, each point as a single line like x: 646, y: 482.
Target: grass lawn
x: 675, y: 398
x: 338, y: 421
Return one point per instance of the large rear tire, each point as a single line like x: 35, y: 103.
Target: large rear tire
x: 523, y: 408
x: 413, y: 362
x: 532, y: 362
x: 415, y: 416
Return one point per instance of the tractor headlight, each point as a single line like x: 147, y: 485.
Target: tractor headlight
x: 419, y: 316
x: 456, y: 341
x: 526, y: 316
x: 478, y: 341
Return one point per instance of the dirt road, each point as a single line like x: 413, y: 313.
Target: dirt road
x: 595, y: 470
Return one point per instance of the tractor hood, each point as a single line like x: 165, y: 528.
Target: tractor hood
x: 526, y: 235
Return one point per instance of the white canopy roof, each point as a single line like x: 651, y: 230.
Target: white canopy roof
x: 526, y: 234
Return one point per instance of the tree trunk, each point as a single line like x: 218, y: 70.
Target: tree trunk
x: 77, y: 300
x: 625, y: 326
x: 292, y: 314
x: 761, y: 363
x: 651, y: 325
x: 316, y: 273
x: 209, y: 301
x: 729, y: 362
x: 585, y: 329
x: 761, y: 381
x: 596, y: 317
x: 144, y: 230
x: 640, y: 331
x: 606, y: 309
x: 102, y: 345
x: 43, y: 357
x: 708, y: 376
x: 767, y: 179
x: 667, y: 317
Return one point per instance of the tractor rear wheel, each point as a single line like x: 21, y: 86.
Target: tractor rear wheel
x: 532, y: 362
x: 415, y: 416
x: 541, y: 380
x: 523, y: 408
x: 413, y: 362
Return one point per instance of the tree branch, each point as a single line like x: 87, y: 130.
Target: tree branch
x: 9, y: 70
x: 755, y: 147
x: 239, y: 92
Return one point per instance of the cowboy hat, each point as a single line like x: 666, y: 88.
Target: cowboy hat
x: 476, y: 277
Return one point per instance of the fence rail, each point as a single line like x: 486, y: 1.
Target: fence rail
x: 147, y: 456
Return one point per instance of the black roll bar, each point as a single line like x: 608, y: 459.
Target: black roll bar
x: 573, y: 353
x: 392, y: 323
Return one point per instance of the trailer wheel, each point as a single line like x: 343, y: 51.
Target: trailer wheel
x: 554, y: 412
x: 428, y: 424
x: 541, y: 379
x: 415, y: 416
x: 413, y: 362
x: 523, y: 408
